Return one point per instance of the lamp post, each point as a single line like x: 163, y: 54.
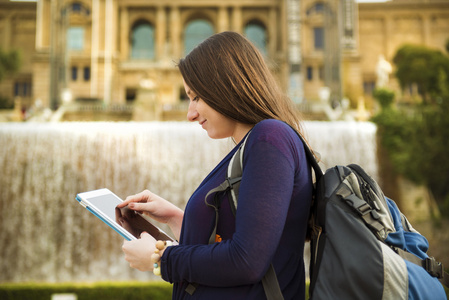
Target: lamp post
x: 295, y: 77
x: 58, y: 53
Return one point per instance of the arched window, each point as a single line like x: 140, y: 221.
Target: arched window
x: 142, y: 41
x: 257, y: 34
x: 76, y: 32
x: 78, y: 8
x: 196, y: 32
x: 318, y: 37
x: 75, y: 38
x: 317, y: 8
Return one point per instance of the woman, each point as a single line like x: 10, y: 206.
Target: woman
x: 232, y: 92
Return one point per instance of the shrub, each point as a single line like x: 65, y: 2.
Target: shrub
x: 385, y: 97
x: 86, y: 291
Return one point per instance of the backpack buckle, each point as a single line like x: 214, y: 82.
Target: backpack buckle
x: 359, y: 205
x: 433, y: 267
x: 233, y: 181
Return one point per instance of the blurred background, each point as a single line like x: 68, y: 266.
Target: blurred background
x: 90, y: 97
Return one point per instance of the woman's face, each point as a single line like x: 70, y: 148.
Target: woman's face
x: 217, y: 125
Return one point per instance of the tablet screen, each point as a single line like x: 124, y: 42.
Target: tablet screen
x: 133, y: 222
x: 106, y: 204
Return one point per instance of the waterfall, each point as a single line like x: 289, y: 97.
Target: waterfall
x: 45, y: 235
x: 342, y: 143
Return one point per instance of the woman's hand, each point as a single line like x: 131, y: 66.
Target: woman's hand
x: 138, y: 252
x: 157, y: 208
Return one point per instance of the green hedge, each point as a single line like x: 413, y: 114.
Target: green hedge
x: 86, y: 291
x: 94, y: 291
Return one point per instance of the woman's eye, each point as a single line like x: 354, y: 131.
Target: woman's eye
x: 196, y: 98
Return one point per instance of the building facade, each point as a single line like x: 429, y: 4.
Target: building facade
x: 124, y: 52
x: 385, y: 27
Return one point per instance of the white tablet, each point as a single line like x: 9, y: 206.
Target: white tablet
x: 128, y: 223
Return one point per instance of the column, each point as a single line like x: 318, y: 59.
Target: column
x: 426, y: 32
x: 6, y: 39
x: 124, y: 33
x: 175, y: 34
x: 388, y: 29
x: 272, y: 32
x: 283, y: 31
x: 161, y: 29
x: 95, y: 48
x: 295, y: 76
x: 54, y: 62
x: 108, y: 50
x: 43, y: 24
x: 222, y: 19
x: 237, y: 19
x: 39, y: 27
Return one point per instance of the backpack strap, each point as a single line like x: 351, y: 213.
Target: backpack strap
x: 235, y: 169
x: 234, y: 176
x: 271, y: 285
x: 433, y: 267
x: 231, y: 183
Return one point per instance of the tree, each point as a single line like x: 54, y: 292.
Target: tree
x: 10, y: 62
x: 417, y: 139
x: 384, y: 96
x: 421, y: 66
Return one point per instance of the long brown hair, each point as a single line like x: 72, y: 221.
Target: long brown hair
x: 229, y: 73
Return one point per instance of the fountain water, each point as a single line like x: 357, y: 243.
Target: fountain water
x: 45, y: 235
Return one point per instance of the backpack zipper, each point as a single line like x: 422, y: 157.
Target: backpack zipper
x: 366, y: 191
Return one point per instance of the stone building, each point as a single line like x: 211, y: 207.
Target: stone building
x: 123, y: 53
x: 385, y: 27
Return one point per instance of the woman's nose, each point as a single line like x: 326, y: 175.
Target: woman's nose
x: 192, y: 114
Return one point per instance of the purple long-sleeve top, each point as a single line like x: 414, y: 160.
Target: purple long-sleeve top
x: 269, y: 225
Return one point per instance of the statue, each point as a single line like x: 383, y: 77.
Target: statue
x: 147, y: 106
x: 383, y: 70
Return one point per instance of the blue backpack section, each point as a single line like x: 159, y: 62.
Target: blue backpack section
x: 421, y: 286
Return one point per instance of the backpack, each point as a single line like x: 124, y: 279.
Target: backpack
x: 362, y: 246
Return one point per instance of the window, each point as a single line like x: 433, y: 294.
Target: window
x: 196, y: 32
x: 256, y: 33
x: 309, y: 73
x: 368, y: 87
x: 75, y: 38
x: 295, y: 68
x: 318, y: 34
x: 74, y: 73
x: 142, y: 41
x: 79, y: 8
x: 318, y: 8
x: 131, y: 94
x: 22, y: 88
x: 321, y: 73
x: 76, y: 7
x: 335, y: 72
x: 183, y: 95
x: 86, y: 73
